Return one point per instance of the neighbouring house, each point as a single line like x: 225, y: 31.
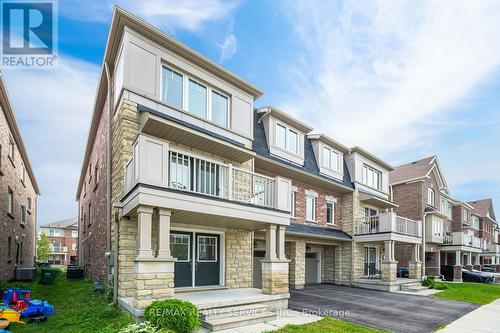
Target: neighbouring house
x: 483, y: 219
x: 18, y: 194
x: 451, y: 230
x: 63, y: 239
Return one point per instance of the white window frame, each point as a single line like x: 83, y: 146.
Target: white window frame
x: 30, y: 204
x: 185, y: 96
x: 11, y: 149
x: 366, y: 179
x: 24, y: 214
x: 73, y: 246
x: 189, y: 247
x: 10, y: 201
x: 183, y: 92
x: 288, y: 129
x: 292, y: 203
x: 74, y: 233
x: 54, y: 232
x: 22, y: 173
x: 333, y: 212
x: 437, y: 228
x: 331, y: 152
x: 308, y: 196
x: 474, y: 220
x: 198, y: 249
x: 465, y: 213
x: 431, y: 197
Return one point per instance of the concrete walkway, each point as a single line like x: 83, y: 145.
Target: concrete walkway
x: 484, y: 319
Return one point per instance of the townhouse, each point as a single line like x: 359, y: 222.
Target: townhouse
x: 63, y: 239
x: 455, y: 234
x: 18, y: 194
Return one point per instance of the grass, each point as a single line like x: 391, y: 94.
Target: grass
x: 327, y: 325
x: 479, y: 293
x: 77, y: 308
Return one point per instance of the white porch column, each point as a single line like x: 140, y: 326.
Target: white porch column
x: 393, y: 258
x: 469, y: 258
x: 271, y: 242
x: 164, y: 233
x: 281, y: 242
x: 439, y: 263
x: 389, y: 251
x: 494, y: 260
x: 144, y: 221
x: 458, y: 258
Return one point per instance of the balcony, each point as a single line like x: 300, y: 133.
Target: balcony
x: 390, y: 226
x: 493, y: 248
x: 182, y: 177
x: 59, y: 249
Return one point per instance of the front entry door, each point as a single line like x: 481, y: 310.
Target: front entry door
x: 370, y: 259
x: 198, y: 258
x: 312, y: 263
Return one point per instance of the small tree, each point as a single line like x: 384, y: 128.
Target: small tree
x: 43, y: 248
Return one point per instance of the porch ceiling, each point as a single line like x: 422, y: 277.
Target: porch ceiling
x: 376, y: 201
x: 381, y: 237
x: 167, y: 129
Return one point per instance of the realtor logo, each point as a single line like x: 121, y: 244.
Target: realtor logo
x: 29, y: 30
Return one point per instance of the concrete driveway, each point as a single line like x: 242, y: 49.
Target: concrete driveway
x: 383, y: 310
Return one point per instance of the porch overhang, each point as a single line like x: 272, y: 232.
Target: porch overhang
x: 201, y: 209
x: 376, y: 201
x: 387, y: 236
x: 161, y: 125
x: 309, y: 232
x: 463, y: 248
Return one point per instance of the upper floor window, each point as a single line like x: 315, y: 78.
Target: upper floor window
x: 74, y: 233
x: 172, y: 87
x: 30, y: 204
x: 466, y: 214
x: 11, y: 149
x: 372, y: 177
x: 437, y: 228
x: 331, y: 159
x: 292, y: 204
x: 10, y: 202
x: 330, y: 213
x: 54, y: 232
x: 197, y: 99
x: 475, y: 222
x: 310, y: 208
x: 220, y: 108
x: 22, y: 173
x: 287, y: 138
x: 24, y: 214
x: 431, y: 197
x: 73, y: 246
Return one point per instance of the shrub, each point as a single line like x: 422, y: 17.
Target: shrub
x: 173, y: 314
x: 428, y: 283
x: 144, y: 327
x: 440, y: 286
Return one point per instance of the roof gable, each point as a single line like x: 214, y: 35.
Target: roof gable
x: 420, y: 169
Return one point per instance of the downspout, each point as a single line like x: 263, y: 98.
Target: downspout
x: 108, y: 183
x: 423, y: 246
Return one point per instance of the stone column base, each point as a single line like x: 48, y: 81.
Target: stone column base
x: 389, y: 271
x: 477, y: 267
x: 275, y: 276
x: 457, y: 273
x: 154, y: 280
x: 469, y: 267
x: 415, y: 268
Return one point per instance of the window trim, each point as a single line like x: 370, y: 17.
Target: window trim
x: 292, y: 203
x: 288, y: 129
x: 24, y: 214
x: 198, y: 248
x: 313, y: 208
x: 364, y: 176
x: 331, y: 152
x: 431, y: 194
x: 185, y: 96
x: 10, y: 202
x: 189, y: 247
x: 332, y: 212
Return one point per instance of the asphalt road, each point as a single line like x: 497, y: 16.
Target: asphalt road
x: 383, y: 310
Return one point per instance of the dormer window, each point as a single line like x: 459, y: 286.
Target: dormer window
x: 287, y: 139
x: 372, y: 177
x: 331, y: 159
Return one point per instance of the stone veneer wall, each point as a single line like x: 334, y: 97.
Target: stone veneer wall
x: 275, y: 281
x: 239, y: 258
x: 328, y: 264
x: 151, y: 287
x: 296, y: 252
x: 359, y: 260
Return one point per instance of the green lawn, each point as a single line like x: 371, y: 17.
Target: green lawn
x: 328, y: 325
x: 471, y: 292
x: 77, y: 308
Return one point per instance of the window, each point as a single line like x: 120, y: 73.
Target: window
x: 287, y: 138
x: 9, y: 248
x: 219, y: 109
x: 73, y: 246
x: 197, y: 99
x: 30, y: 204
x: 372, y: 177
x: 11, y: 149
x: 172, y: 87
x: 207, y: 248
x: 450, y: 211
x: 466, y: 215
x: 180, y: 246
x: 22, y: 173
x: 54, y: 232
x: 292, y: 204
x: 96, y: 173
x: 437, y: 228
x: 10, y: 202
x: 74, y: 233
x: 310, y: 208
x: 431, y: 199
x: 24, y: 214
x: 330, y: 213
x: 179, y: 171
x: 475, y: 222
x: 331, y: 159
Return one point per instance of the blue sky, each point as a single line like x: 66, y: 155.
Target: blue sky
x: 403, y: 79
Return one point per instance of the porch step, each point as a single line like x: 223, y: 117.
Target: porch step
x: 231, y: 317
x: 413, y: 287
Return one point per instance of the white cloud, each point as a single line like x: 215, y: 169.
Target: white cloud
x: 228, y: 47
x: 53, y: 109
x: 166, y: 14
x: 382, y: 74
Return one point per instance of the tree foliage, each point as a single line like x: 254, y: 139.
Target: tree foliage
x: 43, y: 248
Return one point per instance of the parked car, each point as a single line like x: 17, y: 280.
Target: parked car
x: 403, y: 272
x: 476, y: 276
x: 489, y: 269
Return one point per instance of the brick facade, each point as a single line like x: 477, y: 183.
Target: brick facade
x: 65, y: 242
x: 17, y: 240
x: 92, y: 208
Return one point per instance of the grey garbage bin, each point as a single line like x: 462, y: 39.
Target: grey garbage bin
x: 25, y: 273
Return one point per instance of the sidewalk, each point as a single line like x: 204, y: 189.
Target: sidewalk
x: 484, y: 319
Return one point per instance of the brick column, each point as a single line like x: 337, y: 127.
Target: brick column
x: 298, y: 264
x: 457, y: 269
x: 274, y: 269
